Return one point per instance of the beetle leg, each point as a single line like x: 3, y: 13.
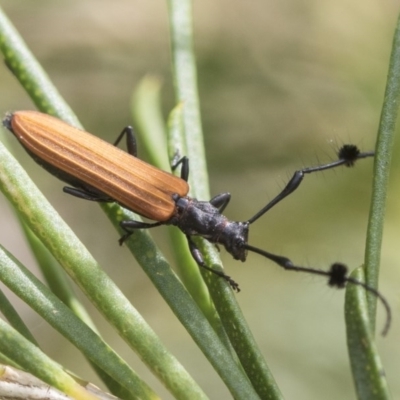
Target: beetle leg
x: 185, y: 166
x: 130, y: 140
x: 221, y: 201
x: 198, y: 257
x: 85, y: 194
x: 129, y: 226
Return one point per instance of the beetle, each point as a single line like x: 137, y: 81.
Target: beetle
x: 100, y: 171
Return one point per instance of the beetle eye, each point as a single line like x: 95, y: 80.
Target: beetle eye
x: 239, y: 243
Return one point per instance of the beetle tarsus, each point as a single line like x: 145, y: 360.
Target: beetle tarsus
x: 125, y: 237
x: 233, y: 284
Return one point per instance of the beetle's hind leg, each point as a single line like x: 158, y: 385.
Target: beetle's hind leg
x: 86, y: 194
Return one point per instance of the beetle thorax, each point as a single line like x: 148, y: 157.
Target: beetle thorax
x: 201, y: 218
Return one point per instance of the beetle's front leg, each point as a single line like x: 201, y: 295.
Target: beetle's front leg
x: 198, y: 257
x: 130, y: 226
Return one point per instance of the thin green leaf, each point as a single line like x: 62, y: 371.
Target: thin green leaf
x: 146, y: 106
x: 240, y: 334
x: 368, y: 373
x: 146, y: 111
x: 56, y: 278
x: 10, y: 313
x: 33, y: 360
x: 187, y: 266
x: 59, y: 284
x: 26, y: 286
x: 8, y: 361
x: 147, y: 115
x: 384, y: 149
x: 185, y: 78
x: 164, y: 278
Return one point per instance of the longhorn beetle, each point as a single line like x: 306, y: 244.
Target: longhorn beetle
x: 101, y: 172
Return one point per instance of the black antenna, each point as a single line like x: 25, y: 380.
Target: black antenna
x: 337, y: 275
x: 348, y: 154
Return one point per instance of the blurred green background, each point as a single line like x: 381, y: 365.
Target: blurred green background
x: 283, y: 84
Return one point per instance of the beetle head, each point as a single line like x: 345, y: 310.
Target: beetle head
x: 234, y: 238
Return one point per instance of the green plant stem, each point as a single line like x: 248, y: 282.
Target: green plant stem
x: 185, y: 79
x: 14, y: 319
x: 368, y: 373
x: 146, y: 107
x: 34, y: 361
x: 56, y: 278
x: 360, y: 308
x: 148, y: 119
x: 60, y: 285
x: 26, y: 286
x: 384, y: 148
